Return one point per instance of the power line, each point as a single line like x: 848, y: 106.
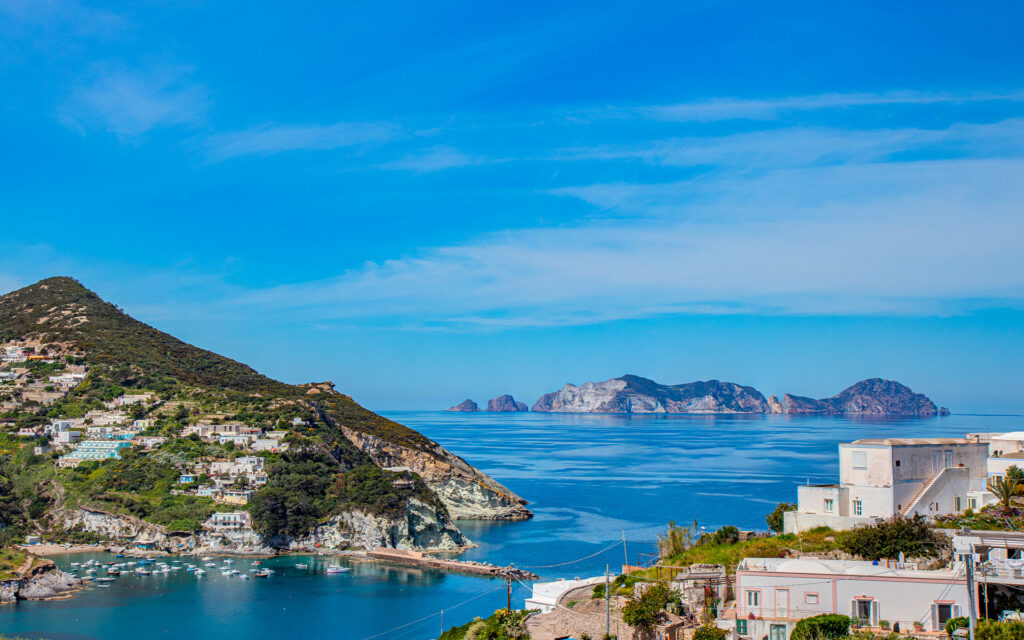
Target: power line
x: 427, y: 617
x: 562, y: 564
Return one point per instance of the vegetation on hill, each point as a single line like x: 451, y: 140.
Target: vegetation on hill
x: 501, y: 625
x: 321, y: 474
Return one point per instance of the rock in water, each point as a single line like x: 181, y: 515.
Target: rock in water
x: 506, y: 403
x: 633, y: 394
x: 465, y: 405
x: 874, y: 396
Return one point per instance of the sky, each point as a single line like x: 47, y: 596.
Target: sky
x: 424, y: 202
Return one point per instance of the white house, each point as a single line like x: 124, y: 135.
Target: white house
x: 546, y: 594
x: 228, y: 520
x: 772, y: 594
x: 881, y: 478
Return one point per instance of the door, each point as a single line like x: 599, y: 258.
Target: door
x: 782, y: 603
x: 949, y: 459
x: 936, y: 461
x: 777, y: 632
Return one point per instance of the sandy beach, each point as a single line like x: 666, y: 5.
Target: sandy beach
x: 49, y: 549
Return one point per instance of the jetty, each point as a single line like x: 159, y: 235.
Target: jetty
x: 418, y: 559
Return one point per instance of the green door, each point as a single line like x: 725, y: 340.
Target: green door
x: 777, y: 632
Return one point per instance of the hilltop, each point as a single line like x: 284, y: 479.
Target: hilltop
x: 121, y: 426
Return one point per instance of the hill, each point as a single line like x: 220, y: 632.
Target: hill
x: 316, y: 463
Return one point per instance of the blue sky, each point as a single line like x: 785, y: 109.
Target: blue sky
x: 428, y: 201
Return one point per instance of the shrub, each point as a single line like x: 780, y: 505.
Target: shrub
x: 992, y: 630
x: 709, y: 632
x: 956, y: 623
x: 912, y: 537
x: 823, y: 627
x: 646, y: 611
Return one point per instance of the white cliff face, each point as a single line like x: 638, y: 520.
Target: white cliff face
x: 422, y: 529
x: 465, y: 491
x: 591, y: 397
x: 631, y: 394
x: 111, y: 526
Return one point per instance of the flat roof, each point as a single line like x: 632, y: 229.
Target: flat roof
x: 910, y: 442
x: 838, y: 567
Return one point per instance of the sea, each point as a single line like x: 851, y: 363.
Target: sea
x: 602, y: 487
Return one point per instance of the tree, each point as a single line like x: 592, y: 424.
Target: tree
x: 775, y: 518
x: 1004, y: 489
x: 675, y: 541
x: 647, y: 611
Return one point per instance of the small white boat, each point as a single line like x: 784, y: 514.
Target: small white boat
x: 301, y: 565
x: 336, y: 569
x: 243, y: 576
x: 103, y: 585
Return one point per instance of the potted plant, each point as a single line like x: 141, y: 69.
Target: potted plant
x: 884, y: 625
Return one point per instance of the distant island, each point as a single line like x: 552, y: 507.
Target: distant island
x: 634, y: 394
x: 502, y: 404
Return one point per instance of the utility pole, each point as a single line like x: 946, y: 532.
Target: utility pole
x: 625, y: 556
x: 967, y: 551
x: 607, y: 602
x: 508, y: 589
x: 442, y: 620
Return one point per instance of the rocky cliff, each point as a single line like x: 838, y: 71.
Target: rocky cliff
x: 42, y: 580
x: 465, y: 491
x: 874, y: 396
x: 466, y: 405
x: 633, y: 394
x: 506, y: 403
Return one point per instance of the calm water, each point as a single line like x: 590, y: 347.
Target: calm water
x: 589, y: 478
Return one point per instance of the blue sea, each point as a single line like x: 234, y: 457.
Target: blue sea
x: 591, y: 480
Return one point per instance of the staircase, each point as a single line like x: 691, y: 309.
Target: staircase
x: 920, y: 492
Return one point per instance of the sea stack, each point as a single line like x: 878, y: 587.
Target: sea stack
x: 466, y: 405
x: 507, y: 404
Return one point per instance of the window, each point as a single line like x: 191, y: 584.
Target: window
x: 897, y: 463
x: 858, y: 508
x: 972, y: 503
x: 956, y: 503
x: 753, y: 598
x: 863, y: 610
x: 949, y: 459
x: 777, y: 632
x: 741, y: 627
x: 945, y: 612
x: 830, y: 505
x: 860, y: 460
x: 810, y: 598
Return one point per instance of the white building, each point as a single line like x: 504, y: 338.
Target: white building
x: 228, y: 520
x: 772, y: 594
x: 546, y: 594
x: 881, y: 478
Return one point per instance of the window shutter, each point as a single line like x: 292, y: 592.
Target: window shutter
x: 935, y: 617
x: 956, y: 611
x: 853, y: 609
x: 874, y: 613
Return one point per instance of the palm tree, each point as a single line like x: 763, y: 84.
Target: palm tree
x: 1004, y: 489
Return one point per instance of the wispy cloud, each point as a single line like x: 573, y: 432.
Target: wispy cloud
x: 435, y: 159
x: 931, y: 238
x: 67, y: 16
x: 718, y: 109
x: 130, y: 102
x: 271, y: 139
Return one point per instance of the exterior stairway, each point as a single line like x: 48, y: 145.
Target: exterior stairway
x: 909, y: 507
